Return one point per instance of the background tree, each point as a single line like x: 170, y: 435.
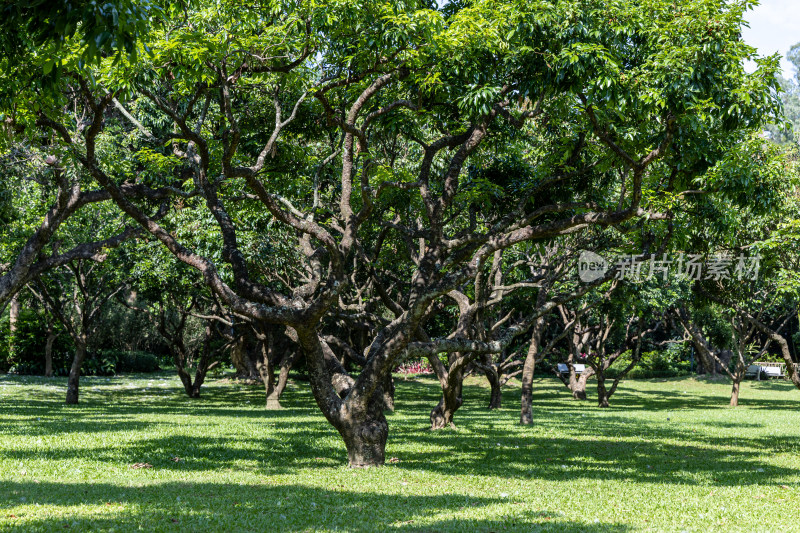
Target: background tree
x: 76, y: 297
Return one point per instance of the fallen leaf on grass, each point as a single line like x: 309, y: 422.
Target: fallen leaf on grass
x: 394, y: 460
x: 784, y: 487
x: 141, y: 465
x: 177, y: 459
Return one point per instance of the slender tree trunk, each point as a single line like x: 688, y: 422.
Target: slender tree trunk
x: 75, y: 372
x: 735, y: 392
x: 199, y: 379
x: 180, y: 353
x: 526, y: 400
x: 528, y: 368
x: 493, y: 377
x: 203, y: 364
x: 738, y: 373
x: 702, y: 347
x: 13, y: 321
x: 283, y: 377
x: 48, y: 350
x: 706, y: 361
x: 186, y: 379
x: 602, y: 392
x: 267, y: 372
x: 48, y: 356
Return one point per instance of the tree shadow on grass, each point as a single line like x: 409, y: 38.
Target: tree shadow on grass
x: 280, y: 451
x: 562, y: 459
x: 48, y: 411
x: 190, y: 506
x: 660, y: 401
x: 633, y: 453
x: 569, y: 440
x: 649, y: 400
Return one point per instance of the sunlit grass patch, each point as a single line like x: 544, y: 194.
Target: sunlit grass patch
x: 667, y: 456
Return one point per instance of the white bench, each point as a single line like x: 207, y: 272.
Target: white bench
x: 563, y: 369
x: 759, y: 371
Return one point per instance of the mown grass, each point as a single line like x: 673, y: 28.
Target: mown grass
x: 667, y: 456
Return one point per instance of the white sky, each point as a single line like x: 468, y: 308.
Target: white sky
x: 774, y: 27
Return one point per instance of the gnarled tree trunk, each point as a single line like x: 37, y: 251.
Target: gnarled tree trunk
x: 442, y: 414
x: 356, y: 413
x: 365, y: 439
x: 577, y: 384
x: 275, y: 350
x: 451, y: 382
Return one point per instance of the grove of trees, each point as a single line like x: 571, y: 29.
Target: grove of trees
x: 290, y: 184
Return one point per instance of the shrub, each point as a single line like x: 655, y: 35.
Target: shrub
x: 655, y: 364
x: 29, y: 345
x: 124, y: 361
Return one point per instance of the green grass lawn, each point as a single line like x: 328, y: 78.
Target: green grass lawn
x: 667, y: 456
